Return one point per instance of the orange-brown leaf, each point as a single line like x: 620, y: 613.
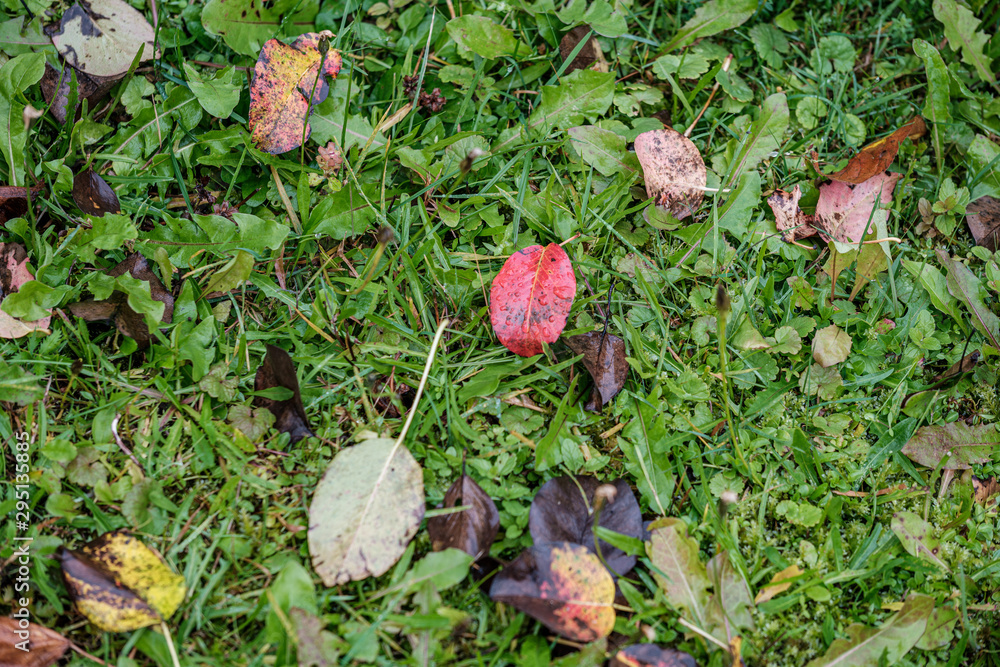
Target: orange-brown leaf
x: 878, y: 155
x: 284, y: 78
x: 42, y: 647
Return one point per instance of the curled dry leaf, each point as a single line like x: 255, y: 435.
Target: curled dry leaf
x: 102, y: 37
x: 651, y: 655
x: 983, y: 217
x: 278, y: 370
x: 285, y: 77
x: 531, y: 297
x: 789, y: 218
x: 605, y: 362
x: 14, y: 273
x: 844, y: 210
x: 958, y: 445
x: 564, y: 586
x: 985, y: 489
x: 56, y: 87
x: 563, y: 511
x: 25, y: 644
x: 674, y: 170
x: 473, y: 529
x: 365, y: 511
x: 117, y: 309
x: 878, y: 155
x: 93, y: 194
x: 120, y: 584
x: 14, y: 201
x: 590, y: 56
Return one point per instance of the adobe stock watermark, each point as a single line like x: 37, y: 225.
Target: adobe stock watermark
x: 20, y: 561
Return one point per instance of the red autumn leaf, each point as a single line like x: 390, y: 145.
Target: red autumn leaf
x: 284, y: 78
x: 564, y: 586
x: 674, y: 170
x: 878, y: 155
x: 530, y: 298
x: 843, y: 210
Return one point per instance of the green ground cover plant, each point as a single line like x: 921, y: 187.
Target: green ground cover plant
x: 595, y: 332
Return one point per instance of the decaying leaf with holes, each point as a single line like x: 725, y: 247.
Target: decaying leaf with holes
x: 789, y: 218
x: 674, y: 170
x: 120, y: 584
x: 286, y: 77
x: 531, y: 297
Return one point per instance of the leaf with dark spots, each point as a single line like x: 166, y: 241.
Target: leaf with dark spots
x: 604, y: 358
x: 14, y: 273
x: 916, y: 536
x: 878, y: 155
x: 651, y: 655
x: 93, y: 194
x: 118, y: 308
x: 102, y: 37
x: 14, y: 201
x: 531, y: 297
x: 565, y: 508
x: 285, y: 77
x: 120, y: 584
x: 789, y: 218
x: 277, y: 370
x: 959, y: 446
x: 473, y: 529
x: 843, y: 211
x: 590, y: 55
x: 983, y: 218
x: 674, y: 170
x: 41, y: 647
x: 564, y: 586
x: 56, y: 88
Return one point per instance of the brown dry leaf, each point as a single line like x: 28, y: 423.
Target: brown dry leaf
x: 14, y: 201
x: 966, y: 364
x: 983, y: 217
x: 278, y: 370
x: 844, y: 210
x: 779, y: 584
x: 791, y: 221
x: 878, y: 155
x: 674, y: 170
x: 116, y: 307
x: 473, y: 529
x: 14, y: 273
x: 590, y: 56
x: 29, y: 646
x: 56, y: 88
x: 93, y: 195
x: 604, y: 358
x: 985, y: 489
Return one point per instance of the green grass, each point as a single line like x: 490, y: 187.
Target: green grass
x: 231, y: 513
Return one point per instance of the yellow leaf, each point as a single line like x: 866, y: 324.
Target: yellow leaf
x: 779, y: 584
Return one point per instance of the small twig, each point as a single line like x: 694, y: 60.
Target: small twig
x: 725, y: 68
x: 170, y: 644
x: 294, y: 219
x: 88, y: 656
x: 122, y: 445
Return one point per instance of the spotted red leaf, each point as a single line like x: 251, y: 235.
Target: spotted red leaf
x: 530, y: 298
x: 564, y: 586
x: 844, y: 211
x: 284, y: 78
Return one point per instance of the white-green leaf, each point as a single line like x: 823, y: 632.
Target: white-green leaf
x: 712, y: 18
x: 602, y: 149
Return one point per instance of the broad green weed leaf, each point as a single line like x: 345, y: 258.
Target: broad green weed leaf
x: 831, y: 346
x: 937, y: 104
x: 711, y: 18
x: 916, y: 536
x: 602, y: 149
x: 765, y: 136
x: 16, y: 75
x: 958, y: 445
x: 232, y: 274
x: 219, y: 94
x: 967, y: 288
x: 932, y: 280
x: 960, y: 27
x: 485, y: 38
x: 983, y: 159
x: 244, y: 24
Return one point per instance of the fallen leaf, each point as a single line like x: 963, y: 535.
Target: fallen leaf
x: 102, y: 37
x: 120, y: 584
x: 961, y: 446
x: 915, y: 535
x: 843, y: 211
x: 651, y: 655
x: 885, y: 644
x: 590, y: 56
x: 473, y: 529
x: 531, y: 297
x: 315, y: 646
x: 877, y: 156
x: 789, y: 218
x: 564, y: 586
x: 605, y: 362
x: 117, y: 307
x: 674, y: 170
x: 730, y: 609
x: 278, y: 370
x: 831, y: 345
x: 984, y: 489
x: 14, y: 201
x: 678, y: 569
x: 966, y: 364
x: 14, y: 273
x: 563, y: 511
x: 366, y: 509
x: 779, y: 584
x: 286, y: 76
x: 56, y: 87
x: 983, y: 218
x: 26, y: 644
x: 93, y: 194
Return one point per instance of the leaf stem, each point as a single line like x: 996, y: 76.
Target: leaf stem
x: 423, y: 383
x: 170, y: 643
